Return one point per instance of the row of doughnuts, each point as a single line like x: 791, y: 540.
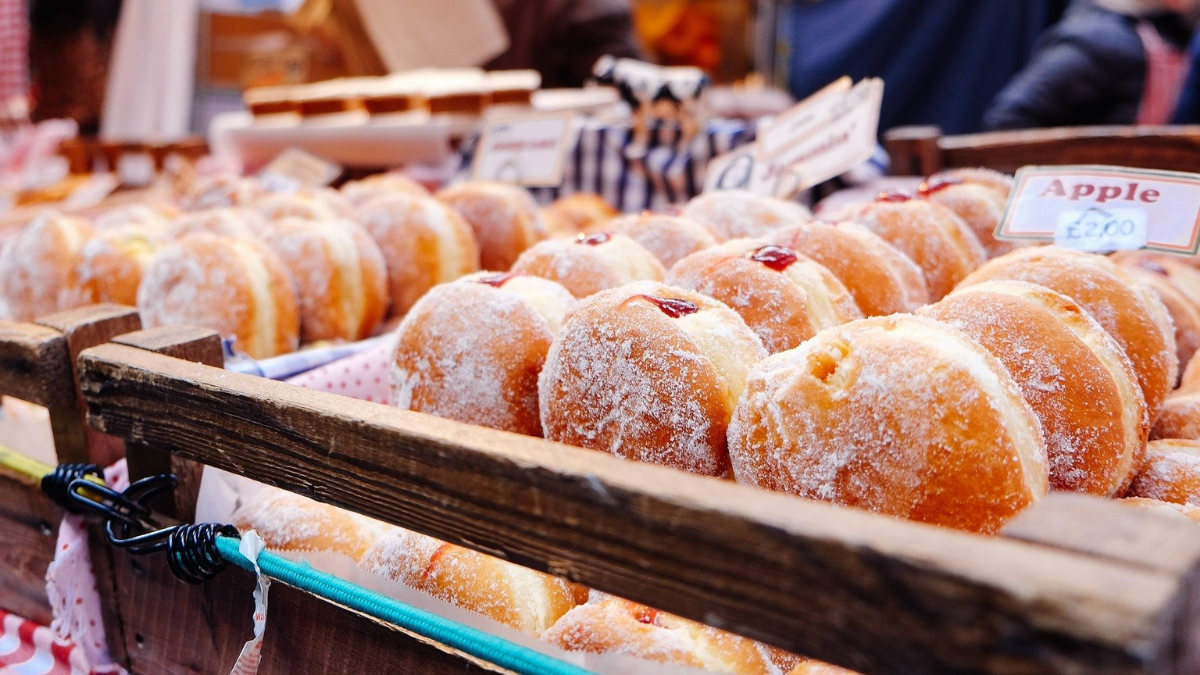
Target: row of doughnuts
x: 564, y: 614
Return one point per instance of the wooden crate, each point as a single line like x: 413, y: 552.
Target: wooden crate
x: 1075, y: 585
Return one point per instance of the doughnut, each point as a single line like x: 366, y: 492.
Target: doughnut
x: 1168, y: 509
x: 156, y: 219
x: 229, y: 222
x: 222, y: 190
x: 1170, y: 472
x: 579, y: 212
x: 734, y: 214
x: 612, y: 625
x: 941, y: 244
x: 504, y: 218
x: 1184, y: 315
x: 340, y: 277
x: 783, y: 296
x: 424, y: 243
x: 1072, y: 373
x: 290, y: 523
x: 1001, y: 183
x: 981, y: 207
x: 668, y: 238
x: 900, y: 415
x: 882, y: 279
x: 321, y: 205
x: 1179, y: 417
x: 1129, y: 311
x: 237, y: 287
x: 1191, y: 378
x: 38, y: 265
x: 811, y: 667
x: 1184, y: 277
x: 112, y: 263
x: 590, y: 263
x: 651, y: 373
x: 360, y: 192
x: 515, y: 596
x: 471, y: 350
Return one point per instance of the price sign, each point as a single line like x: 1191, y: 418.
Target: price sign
x: 135, y: 169
x: 527, y: 150
x: 1105, y: 208
x: 294, y: 168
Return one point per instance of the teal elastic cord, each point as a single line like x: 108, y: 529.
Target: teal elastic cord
x: 473, y: 641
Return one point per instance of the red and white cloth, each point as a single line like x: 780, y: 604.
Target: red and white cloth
x: 14, y: 49
x: 363, y: 376
x: 1166, y: 69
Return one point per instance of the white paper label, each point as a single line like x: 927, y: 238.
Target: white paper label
x: 730, y: 171
x: 303, y: 168
x: 251, y: 546
x: 1105, y: 208
x: 527, y: 150
x: 278, y: 183
x: 135, y: 169
x: 1098, y: 230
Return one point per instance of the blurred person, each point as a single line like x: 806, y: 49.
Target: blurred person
x: 69, y: 46
x: 1107, y: 62
x: 1188, y: 109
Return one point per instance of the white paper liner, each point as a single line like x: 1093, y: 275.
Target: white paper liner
x: 222, y: 493
x: 25, y: 428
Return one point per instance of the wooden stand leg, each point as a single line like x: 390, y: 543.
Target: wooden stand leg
x: 914, y: 151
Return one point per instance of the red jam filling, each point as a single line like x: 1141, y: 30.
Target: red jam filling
x: 895, y: 196
x: 672, y: 307
x: 937, y: 184
x: 777, y: 258
x: 496, y: 280
x: 594, y: 239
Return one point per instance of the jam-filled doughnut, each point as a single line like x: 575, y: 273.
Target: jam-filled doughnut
x: 504, y: 217
x: 424, y: 242
x: 290, y: 523
x: 1170, y: 472
x: 981, y: 207
x: 648, y: 372
x: 734, y: 214
x: 340, y: 276
x: 38, y: 266
x: 882, y: 279
x: 579, y: 212
x: 471, y: 350
x: 1184, y: 314
x: 941, y: 244
x: 1184, y: 277
x: 1000, y: 183
x: 1168, y: 509
x: 668, y: 238
x: 590, y: 263
x: 1179, y: 416
x: 1129, y: 311
x: 316, y: 205
x: 784, y: 297
x: 901, y: 415
x: 222, y: 190
x: 155, y: 218
x: 229, y: 222
x: 237, y: 287
x: 112, y: 263
x: 361, y: 192
x: 1074, y: 375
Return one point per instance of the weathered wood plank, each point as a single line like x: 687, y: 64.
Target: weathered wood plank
x: 35, y: 365
x: 28, y: 522
x: 861, y: 590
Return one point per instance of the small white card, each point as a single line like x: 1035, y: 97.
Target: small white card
x: 525, y: 149
x: 135, y: 169
x: 294, y: 168
x: 1105, y: 208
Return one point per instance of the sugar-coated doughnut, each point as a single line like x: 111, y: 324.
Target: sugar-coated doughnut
x: 1074, y: 375
x: 290, y: 523
x: 590, y: 263
x: 471, y: 350
x: 882, y: 279
x: 320, y: 205
x: 237, y: 287
x: 156, y: 218
x: 1129, y: 311
x: 1184, y: 277
x: 1179, y: 416
x: 575, y: 213
x: 229, y: 222
x: 941, y: 244
x: 112, y: 263
x: 611, y: 625
x: 222, y: 190
x: 1184, y: 314
x: 424, y: 242
x: 783, y: 296
x: 504, y: 217
x: 1170, y: 472
x: 38, y: 266
x: 648, y: 372
x: 360, y: 192
x: 901, y: 415
x: 734, y: 214
x: 1169, y: 509
x: 668, y: 238
x: 1001, y: 183
x: 515, y: 596
x: 1191, y: 378
x: 981, y: 207
x: 340, y: 276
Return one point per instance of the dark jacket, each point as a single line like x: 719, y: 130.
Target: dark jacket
x: 1188, y: 110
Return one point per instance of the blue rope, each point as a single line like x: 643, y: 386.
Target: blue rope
x: 464, y: 638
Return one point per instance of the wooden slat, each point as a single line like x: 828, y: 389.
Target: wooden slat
x: 35, y: 365
x: 27, y: 525
x: 861, y: 590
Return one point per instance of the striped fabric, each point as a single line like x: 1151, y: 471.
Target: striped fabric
x: 1166, y: 69
x: 27, y: 648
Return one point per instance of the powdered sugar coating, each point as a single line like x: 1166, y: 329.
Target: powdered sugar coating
x: 899, y: 415
x: 229, y: 222
x: 1000, y: 183
x: 575, y: 213
x: 360, y: 192
x: 735, y: 214
x: 472, y: 352
x: 1165, y: 509
x: 1170, y: 472
x: 289, y: 522
x: 154, y: 219
x: 38, y: 266
x: 504, y: 218
x: 111, y: 264
x: 882, y: 279
x: 624, y: 378
x: 586, y: 269
x: 298, y: 205
x: 221, y: 190
x: 668, y: 238
x: 1184, y: 314
x: 1179, y: 417
x: 981, y: 208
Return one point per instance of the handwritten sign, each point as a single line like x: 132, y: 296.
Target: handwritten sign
x: 294, y: 169
x: 527, y: 150
x: 1105, y: 208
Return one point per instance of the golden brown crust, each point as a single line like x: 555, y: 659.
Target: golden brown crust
x: 504, y: 218
x: 882, y: 279
x: 1190, y: 381
x: 38, y: 266
x: 1169, y: 509
x: 668, y: 238
x: 1179, y: 417
x: 981, y: 208
x: 112, y: 263
x: 1129, y: 311
x: 1184, y: 314
x: 734, y: 214
x: 589, y: 264
x: 1170, y: 472
x: 900, y: 415
x: 1071, y: 372
x: 579, y: 212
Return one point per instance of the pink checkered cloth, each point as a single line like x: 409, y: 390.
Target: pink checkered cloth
x: 14, y: 49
